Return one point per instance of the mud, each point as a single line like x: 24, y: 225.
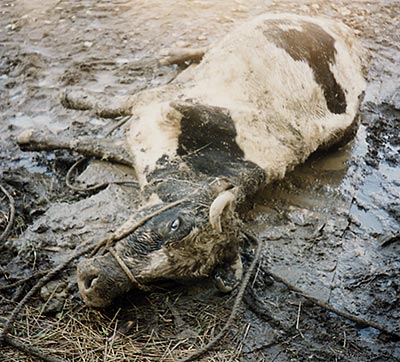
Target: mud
x: 331, y: 227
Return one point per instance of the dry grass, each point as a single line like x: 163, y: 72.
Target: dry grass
x: 163, y: 326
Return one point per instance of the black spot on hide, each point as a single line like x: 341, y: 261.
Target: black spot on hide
x: 207, y: 140
x: 316, y: 47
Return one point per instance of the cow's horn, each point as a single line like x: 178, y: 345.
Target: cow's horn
x: 223, y: 200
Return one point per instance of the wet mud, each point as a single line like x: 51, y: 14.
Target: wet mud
x: 332, y: 227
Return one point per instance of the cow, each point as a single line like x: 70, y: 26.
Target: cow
x: 270, y: 93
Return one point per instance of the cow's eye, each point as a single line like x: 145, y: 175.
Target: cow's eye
x: 175, y: 224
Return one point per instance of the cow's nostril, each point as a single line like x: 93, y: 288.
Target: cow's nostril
x: 89, y: 280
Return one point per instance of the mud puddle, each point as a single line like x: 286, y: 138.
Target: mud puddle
x: 323, y: 226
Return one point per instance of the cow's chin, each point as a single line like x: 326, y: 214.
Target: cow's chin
x: 101, y: 281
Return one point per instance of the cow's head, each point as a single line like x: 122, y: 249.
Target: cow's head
x: 179, y: 240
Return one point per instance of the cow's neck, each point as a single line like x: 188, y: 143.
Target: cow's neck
x: 195, y: 174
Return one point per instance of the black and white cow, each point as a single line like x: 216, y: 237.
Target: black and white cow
x: 262, y: 99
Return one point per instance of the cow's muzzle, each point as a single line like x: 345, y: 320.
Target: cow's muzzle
x: 101, y: 280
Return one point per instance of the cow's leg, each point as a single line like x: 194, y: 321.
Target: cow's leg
x: 229, y: 277
x: 182, y: 55
x: 83, y: 100
x: 103, y: 148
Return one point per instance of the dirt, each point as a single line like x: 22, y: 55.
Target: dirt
x: 331, y: 227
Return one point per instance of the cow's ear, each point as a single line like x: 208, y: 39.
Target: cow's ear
x: 223, y: 204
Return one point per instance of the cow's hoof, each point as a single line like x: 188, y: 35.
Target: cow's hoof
x: 228, y: 277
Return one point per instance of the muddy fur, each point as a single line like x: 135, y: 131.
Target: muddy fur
x: 259, y: 103
x: 277, y: 106
x: 156, y: 252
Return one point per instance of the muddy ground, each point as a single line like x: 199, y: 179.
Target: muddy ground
x: 332, y: 227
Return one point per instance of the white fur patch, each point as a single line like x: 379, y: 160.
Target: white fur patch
x: 153, y: 135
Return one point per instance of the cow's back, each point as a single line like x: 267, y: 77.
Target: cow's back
x: 289, y: 85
